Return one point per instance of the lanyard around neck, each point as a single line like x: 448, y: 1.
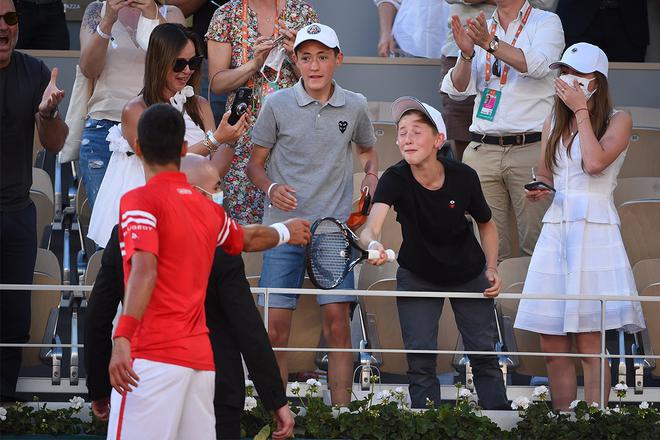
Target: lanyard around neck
x: 245, y: 27
x: 493, y: 28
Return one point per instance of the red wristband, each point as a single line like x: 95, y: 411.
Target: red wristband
x: 126, y: 327
x: 372, y: 174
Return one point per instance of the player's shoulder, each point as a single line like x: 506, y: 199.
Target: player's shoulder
x: 142, y: 195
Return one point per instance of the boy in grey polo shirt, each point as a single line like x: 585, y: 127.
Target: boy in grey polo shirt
x: 307, y: 130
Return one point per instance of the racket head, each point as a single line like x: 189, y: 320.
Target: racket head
x: 328, y: 254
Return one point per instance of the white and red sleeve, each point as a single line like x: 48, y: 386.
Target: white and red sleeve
x: 230, y: 238
x: 138, y: 225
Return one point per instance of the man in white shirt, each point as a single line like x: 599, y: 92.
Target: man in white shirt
x: 504, y: 62
x: 411, y: 27
x: 458, y: 114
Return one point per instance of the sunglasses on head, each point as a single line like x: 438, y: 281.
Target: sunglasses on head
x: 180, y: 63
x: 11, y: 18
x: 495, y: 69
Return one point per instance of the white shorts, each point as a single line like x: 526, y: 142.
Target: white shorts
x: 171, y: 402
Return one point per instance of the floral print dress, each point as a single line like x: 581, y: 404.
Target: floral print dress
x: 243, y: 200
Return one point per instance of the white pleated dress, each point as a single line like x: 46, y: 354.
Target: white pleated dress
x: 580, y: 252
x: 124, y: 173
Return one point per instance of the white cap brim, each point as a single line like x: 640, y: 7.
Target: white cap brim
x: 405, y: 103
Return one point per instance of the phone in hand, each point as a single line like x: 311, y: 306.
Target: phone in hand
x: 241, y: 104
x: 538, y: 185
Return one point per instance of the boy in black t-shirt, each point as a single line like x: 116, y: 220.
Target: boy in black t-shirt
x: 439, y: 253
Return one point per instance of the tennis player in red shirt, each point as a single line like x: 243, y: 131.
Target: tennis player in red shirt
x: 162, y: 368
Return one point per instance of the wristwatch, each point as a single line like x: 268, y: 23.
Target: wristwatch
x: 493, y: 45
x: 465, y: 57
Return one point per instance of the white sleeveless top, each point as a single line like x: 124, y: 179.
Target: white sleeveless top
x: 581, y: 196
x: 114, y: 87
x: 124, y: 173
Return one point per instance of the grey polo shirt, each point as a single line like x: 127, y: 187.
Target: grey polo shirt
x: 310, y: 147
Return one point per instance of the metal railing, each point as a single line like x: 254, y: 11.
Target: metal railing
x: 602, y: 299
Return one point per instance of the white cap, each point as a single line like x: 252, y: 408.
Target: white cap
x: 405, y: 103
x: 584, y: 58
x: 317, y: 32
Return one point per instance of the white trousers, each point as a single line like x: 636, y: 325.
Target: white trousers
x: 171, y: 402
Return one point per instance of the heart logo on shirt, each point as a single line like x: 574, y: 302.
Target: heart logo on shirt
x: 343, y: 125
x: 452, y: 204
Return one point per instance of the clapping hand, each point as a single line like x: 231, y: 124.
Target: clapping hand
x: 52, y: 96
x: 477, y: 30
x: 463, y: 41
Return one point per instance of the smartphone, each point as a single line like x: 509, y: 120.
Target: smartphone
x: 536, y: 185
x: 241, y: 104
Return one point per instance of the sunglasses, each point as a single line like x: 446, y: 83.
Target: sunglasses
x: 11, y: 18
x: 180, y: 63
x: 495, y: 69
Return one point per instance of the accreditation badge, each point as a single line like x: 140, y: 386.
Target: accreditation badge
x: 490, y: 100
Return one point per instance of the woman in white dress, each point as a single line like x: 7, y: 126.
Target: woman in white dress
x: 172, y: 74
x: 580, y: 250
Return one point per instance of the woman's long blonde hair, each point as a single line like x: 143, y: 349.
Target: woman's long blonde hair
x: 599, y: 115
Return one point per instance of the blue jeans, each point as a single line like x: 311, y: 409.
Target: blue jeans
x: 94, y: 155
x: 284, y: 266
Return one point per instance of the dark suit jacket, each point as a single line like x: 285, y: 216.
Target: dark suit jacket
x: 577, y: 15
x: 233, y: 319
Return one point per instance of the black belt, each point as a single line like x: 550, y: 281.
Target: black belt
x: 508, y: 140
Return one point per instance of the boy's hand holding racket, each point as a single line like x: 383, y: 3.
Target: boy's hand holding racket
x: 383, y: 257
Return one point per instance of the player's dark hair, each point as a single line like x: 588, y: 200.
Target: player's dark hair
x: 160, y: 135
x: 423, y: 116
x: 334, y: 49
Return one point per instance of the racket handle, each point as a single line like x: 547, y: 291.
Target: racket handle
x: 375, y: 254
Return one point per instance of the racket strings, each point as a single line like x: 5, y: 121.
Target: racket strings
x: 330, y: 252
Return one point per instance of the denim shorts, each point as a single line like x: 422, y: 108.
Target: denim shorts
x: 94, y: 155
x: 284, y: 266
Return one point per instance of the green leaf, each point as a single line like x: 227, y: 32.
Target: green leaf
x: 263, y: 434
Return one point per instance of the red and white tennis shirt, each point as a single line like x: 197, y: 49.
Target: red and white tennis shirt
x: 170, y: 219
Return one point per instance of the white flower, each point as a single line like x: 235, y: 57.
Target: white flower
x: 520, y: 403
x: 250, y: 404
x: 621, y: 387
x: 644, y: 405
x: 595, y: 405
x: 617, y: 409
x: 574, y: 404
x: 249, y: 383
x: 77, y: 402
x: 541, y: 391
x: 551, y: 415
x: 607, y: 412
x: 336, y: 411
x: 3, y: 414
x: 398, y: 390
x: 384, y: 395
x: 464, y: 392
x: 313, y: 383
x: 295, y: 387
x: 302, y: 411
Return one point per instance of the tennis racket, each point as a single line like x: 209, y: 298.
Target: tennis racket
x: 333, y: 252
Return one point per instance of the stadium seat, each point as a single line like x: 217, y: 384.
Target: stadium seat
x: 380, y: 111
x: 388, y: 152
x: 636, y: 188
x: 643, y: 156
x: 640, y: 229
x: 83, y: 208
x: 93, y: 267
x: 390, y: 235
x: 253, y: 262
x: 384, y: 330
x: 369, y: 274
x: 646, y: 272
x: 644, y: 117
x: 46, y: 271
x: 306, y: 329
x: 45, y: 212
x: 41, y: 182
x: 513, y: 272
x: 652, y: 310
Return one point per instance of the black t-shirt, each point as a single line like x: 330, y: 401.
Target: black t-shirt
x: 22, y: 84
x: 438, y: 243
